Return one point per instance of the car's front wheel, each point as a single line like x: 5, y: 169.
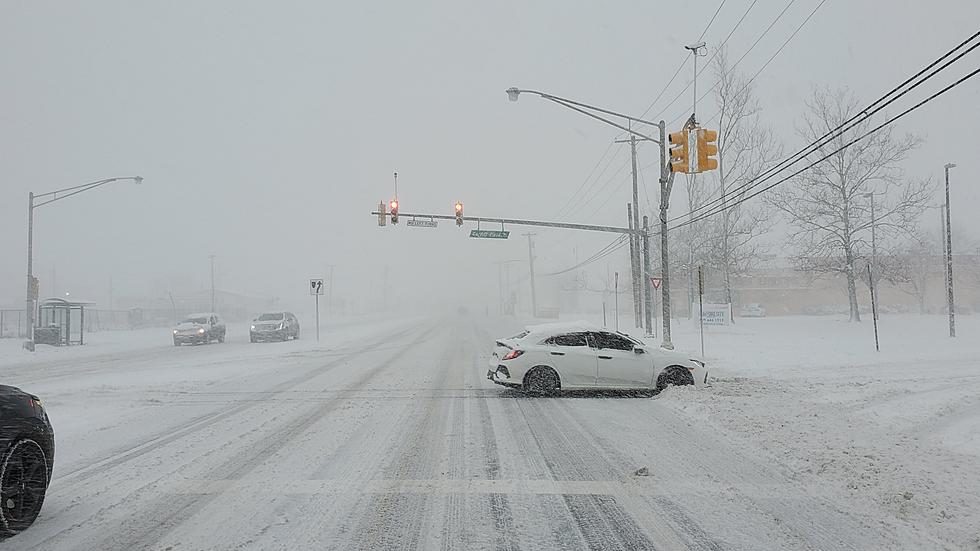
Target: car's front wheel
x: 541, y: 381
x: 674, y: 375
x: 23, y: 482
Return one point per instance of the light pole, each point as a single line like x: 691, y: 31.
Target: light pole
x: 39, y: 200
x: 874, y: 249
x: 666, y: 182
x: 949, y: 260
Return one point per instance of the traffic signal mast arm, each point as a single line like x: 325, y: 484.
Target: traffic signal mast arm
x: 517, y: 222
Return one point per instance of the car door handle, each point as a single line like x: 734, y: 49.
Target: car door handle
x: 557, y: 353
x: 605, y: 357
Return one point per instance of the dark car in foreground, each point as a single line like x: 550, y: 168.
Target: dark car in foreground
x: 26, y: 458
x: 274, y: 326
x: 200, y: 329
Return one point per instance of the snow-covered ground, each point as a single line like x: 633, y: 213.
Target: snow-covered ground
x: 387, y: 435
x: 895, y: 432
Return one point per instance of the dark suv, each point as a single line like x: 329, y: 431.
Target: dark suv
x: 26, y: 459
x: 200, y: 329
x: 274, y: 326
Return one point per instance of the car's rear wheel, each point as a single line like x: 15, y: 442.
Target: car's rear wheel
x: 541, y: 381
x: 674, y: 375
x: 23, y: 482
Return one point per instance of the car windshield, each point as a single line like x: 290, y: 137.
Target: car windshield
x: 270, y: 317
x: 775, y: 347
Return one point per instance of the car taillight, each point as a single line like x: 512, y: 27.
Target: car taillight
x: 513, y: 354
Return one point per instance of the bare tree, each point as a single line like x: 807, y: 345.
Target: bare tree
x: 746, y: 147
x: 826, y: 206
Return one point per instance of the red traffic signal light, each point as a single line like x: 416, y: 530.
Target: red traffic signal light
x: 393, y: 207
x: 459, y: 213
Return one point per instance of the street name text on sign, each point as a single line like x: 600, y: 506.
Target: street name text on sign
x: 490, y: 234
x: 316, y: 286
x: 423, y: 223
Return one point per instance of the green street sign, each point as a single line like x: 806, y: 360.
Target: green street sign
x: 490, y: 234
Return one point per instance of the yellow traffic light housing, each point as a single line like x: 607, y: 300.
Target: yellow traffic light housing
x: 679, y: 154
x: 459, y: 213
x: 707, y: 149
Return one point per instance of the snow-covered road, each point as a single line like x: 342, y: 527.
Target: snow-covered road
x: 388, y: 436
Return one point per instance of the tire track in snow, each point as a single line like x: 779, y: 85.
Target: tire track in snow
x: 163, y: 438
x: 395, y: 520
x: 151, y: 525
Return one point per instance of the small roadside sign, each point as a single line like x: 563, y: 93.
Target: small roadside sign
x: 490, y: 234
x: 422, y: 223
x: 656, y: 282
x: 316, y: 286
x: 35, y: 285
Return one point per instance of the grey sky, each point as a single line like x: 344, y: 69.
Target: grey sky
x: 267, y: 131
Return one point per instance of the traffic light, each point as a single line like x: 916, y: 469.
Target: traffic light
x: 459, y: 213
x: 393, y: 207
x: 679, y: 161
x: 707, y: 148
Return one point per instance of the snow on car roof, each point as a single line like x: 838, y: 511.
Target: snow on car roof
x: 562, y: 327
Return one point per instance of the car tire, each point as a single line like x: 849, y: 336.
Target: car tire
x: 674, y: 375
x: 541, y: 381
x: 25, y: 469
x: 176, y: 343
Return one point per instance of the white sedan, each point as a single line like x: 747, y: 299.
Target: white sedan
x: 546, y: 358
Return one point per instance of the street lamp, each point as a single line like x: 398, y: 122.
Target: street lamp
x: 47, y: 199
x: 949, y: 259
x: 874, y: 249
x: 666, y: 182
x: 513, y: 93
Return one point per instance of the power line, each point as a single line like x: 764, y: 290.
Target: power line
x: 678, y: 96
x: 587, y: 178
x: 683, y: 62
x: 734, y: 65
x: 764, y: 65
x: 832, y: 153
x: 865, y: 113
x: 612, y: 247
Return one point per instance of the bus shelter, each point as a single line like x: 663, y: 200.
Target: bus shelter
x: 61, y: 322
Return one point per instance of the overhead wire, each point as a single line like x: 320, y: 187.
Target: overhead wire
x: 878, y: 128
x: 854, y: 120
x: 764, y: 65
x: 708, y: 62
x: 682, y: 63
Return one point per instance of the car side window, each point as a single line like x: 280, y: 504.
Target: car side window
x: 611, y: 341
x: 570, y: 339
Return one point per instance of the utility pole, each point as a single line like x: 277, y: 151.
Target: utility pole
x: 942, y: 237
x: 874, y: 252
x: 666, y: 183
x: 647, y: 287
x: 634, y: 211
x: 951, y: 305
x: 31, y: 287
x: 530, y: 259
x: 212, y: 282
x: 634, y: 269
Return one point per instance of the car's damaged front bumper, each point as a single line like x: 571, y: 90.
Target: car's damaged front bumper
x: 501, y: 376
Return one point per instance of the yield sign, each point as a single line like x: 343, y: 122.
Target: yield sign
x: 656, y: 282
